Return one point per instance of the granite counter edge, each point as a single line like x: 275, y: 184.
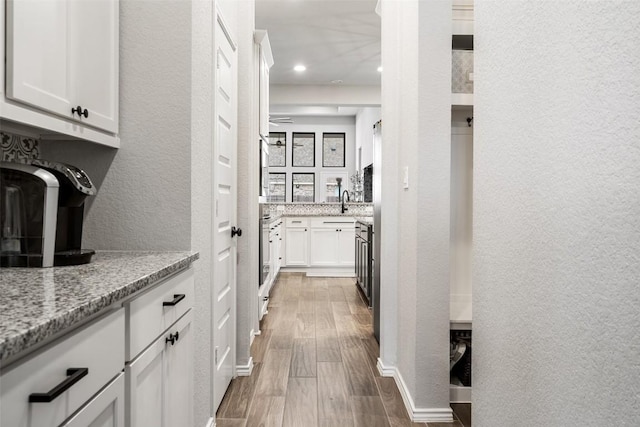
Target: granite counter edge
x: 24, y: 340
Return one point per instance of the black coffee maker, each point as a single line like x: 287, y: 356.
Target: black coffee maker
x: 42, y: 214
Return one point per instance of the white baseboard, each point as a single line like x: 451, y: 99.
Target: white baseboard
x: 211, y: 422
x: 419, y: 415
x: 245, y: 370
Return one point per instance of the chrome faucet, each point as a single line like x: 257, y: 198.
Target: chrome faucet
x: 343, y: 208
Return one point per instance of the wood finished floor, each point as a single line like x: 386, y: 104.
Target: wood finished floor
x: 315, y: 364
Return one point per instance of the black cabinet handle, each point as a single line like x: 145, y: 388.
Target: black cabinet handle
x: 78, y: 110
x: 270, y: 241
x: 73, y: 376
x: 236, y: 231
x: 176, y: 299
x: 177, y: 335
x: 170, y: 339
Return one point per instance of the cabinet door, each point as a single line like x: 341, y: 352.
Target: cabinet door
x: 323, y: 250
x: 94, y: 61
x: 37, y: 54
x: 178, y: 401
x: 145, y: 383
x: 346, y: 247
x: 64, y: 54
x: 106, y: 409
x: 296, y: 247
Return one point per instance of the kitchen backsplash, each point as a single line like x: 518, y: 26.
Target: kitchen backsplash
x: 16, y: 147
x: 462, y: 65
x: 355, y: 209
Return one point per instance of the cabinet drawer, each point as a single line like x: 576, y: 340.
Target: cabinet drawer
x: 97, y: 347
x: 333, y: 222
x: 151, y: 313
x: 106, y: 409
x: 297, y: 222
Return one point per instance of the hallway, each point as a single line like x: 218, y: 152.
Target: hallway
x: 315, y: 364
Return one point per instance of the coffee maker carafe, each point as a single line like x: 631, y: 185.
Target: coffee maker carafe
x: 42, y: 214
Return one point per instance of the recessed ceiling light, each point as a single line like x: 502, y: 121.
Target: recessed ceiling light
x: 299, y: 68
x: 380, y: 69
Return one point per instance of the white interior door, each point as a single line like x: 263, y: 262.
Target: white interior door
x: 224, y: 166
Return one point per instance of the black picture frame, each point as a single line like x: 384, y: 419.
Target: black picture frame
x: 333, y: 135
x: 294, y: 186
x: 293, y: 149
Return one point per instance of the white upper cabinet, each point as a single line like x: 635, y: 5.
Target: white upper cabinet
x: 62, y: 64
x: 265, y: 61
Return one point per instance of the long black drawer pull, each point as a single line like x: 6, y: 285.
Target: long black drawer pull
x: 73, y: 376
x: 176, y: 299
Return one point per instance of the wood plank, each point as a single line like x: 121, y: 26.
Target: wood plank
x: 303, y: 363
x: 260, y: 345
x: 282, y: 337
x: 305, y: 325
x: 368, y: 411
x: 273, y: 376
x: 231, y: 422
x: 334, y: 405
x: 391, y: 398
x: 359, y: 376
x: 463, y: 412
x: 372, y: 351
x: 269, y: 320
x: 402, y: 422
x: 301, y: 404
x: 266, y: 411
x: 336, y: 293
x: 340, y: 308
x: 239, y: 395
x: 324, y: 318
x: 327, y: 346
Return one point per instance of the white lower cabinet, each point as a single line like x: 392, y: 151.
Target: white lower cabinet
x: 296, y: 246
x: 106, y: 409
x: 159, y: 372
x: 323, y: 250
x: 48, y: 386
x: 160, y: 380
x: 346, y: 248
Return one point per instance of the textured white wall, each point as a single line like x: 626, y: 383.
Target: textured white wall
x: 201, y: 200
x: 557, y: 214
x: 416, y: 92
x: 324, y: 95
x: 365, y: 119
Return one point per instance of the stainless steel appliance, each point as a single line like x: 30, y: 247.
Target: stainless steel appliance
x: 364, y: 254
x: 42, y: 214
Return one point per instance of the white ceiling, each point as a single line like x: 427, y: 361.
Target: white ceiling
x: 334, y: 39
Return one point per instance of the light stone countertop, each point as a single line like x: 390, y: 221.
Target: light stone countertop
x: 38, y: 303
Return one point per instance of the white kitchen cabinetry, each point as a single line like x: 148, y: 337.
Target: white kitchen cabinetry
x: 296, y: 242
x: 333, y: 242
x: 46, y: 387
x: 62, y: 68
x: 265, y: 61
x: 159, y: 380
x: 320, y: 246
x: 106, y: 409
